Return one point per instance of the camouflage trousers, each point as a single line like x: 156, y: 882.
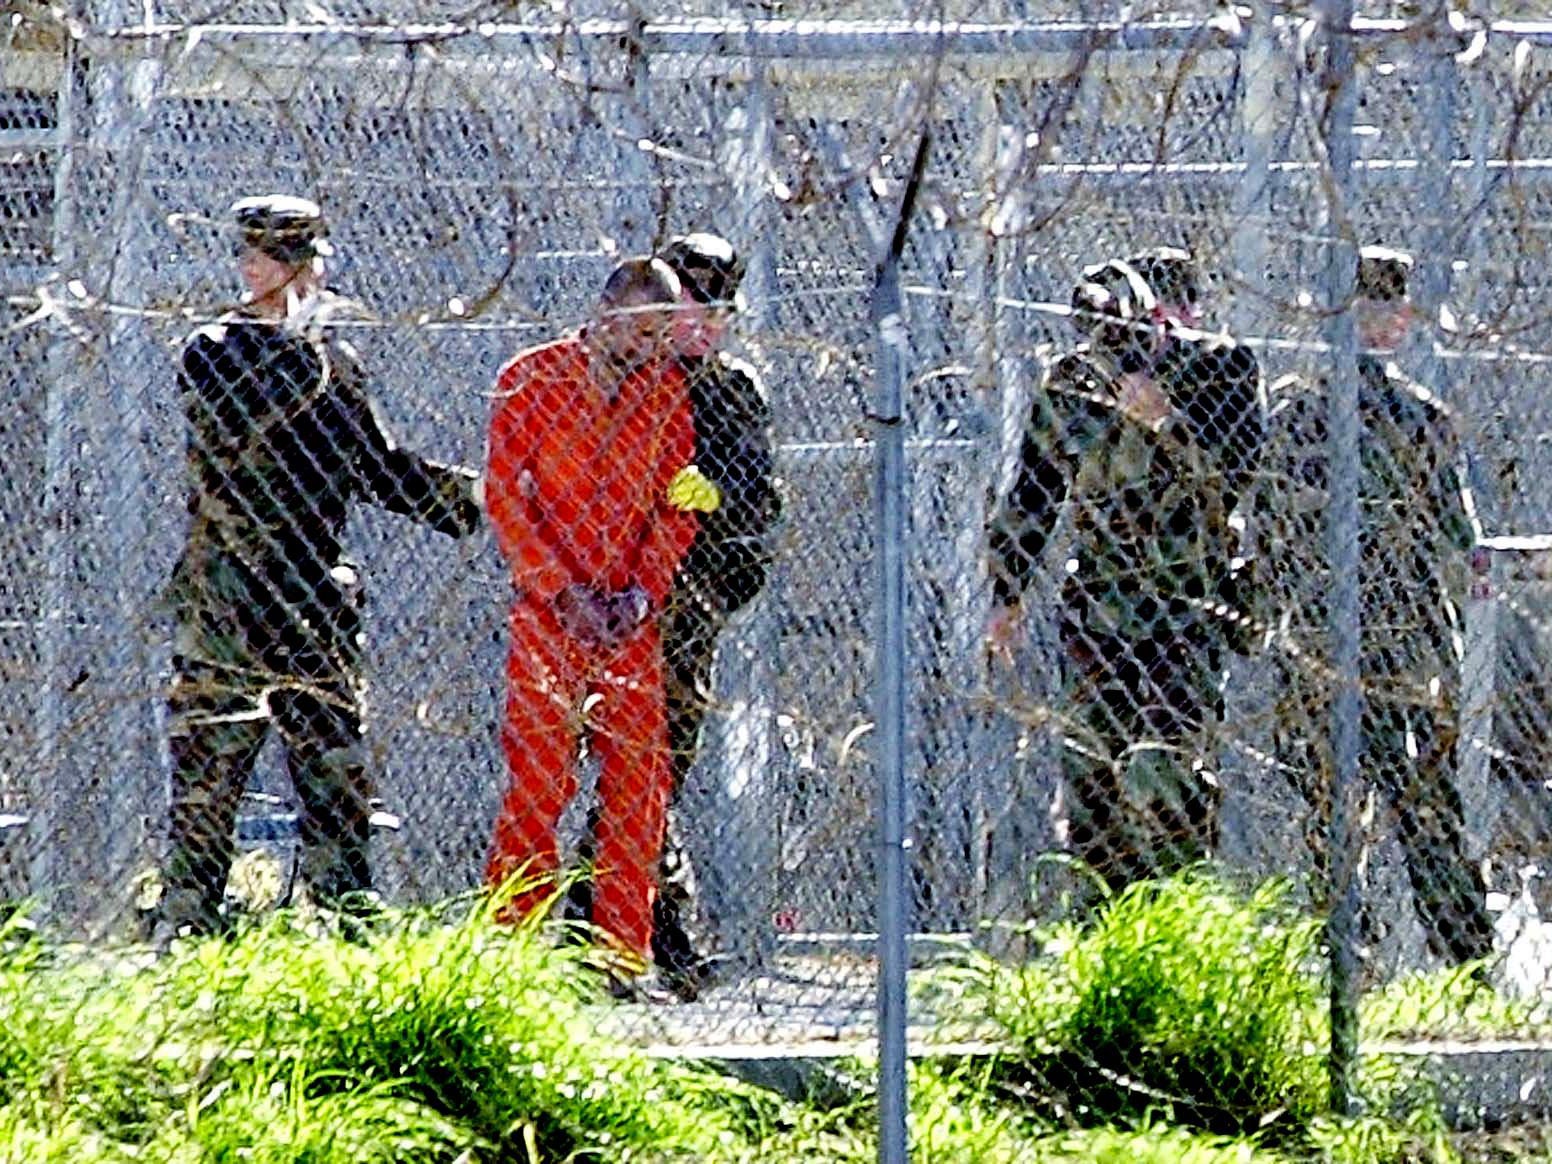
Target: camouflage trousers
x: 225, y: 697
x: 1407, y: 751
x: 1136, y: 721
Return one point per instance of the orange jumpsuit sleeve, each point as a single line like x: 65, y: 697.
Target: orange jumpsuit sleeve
x: 669, y: 530
x: 519, y: 414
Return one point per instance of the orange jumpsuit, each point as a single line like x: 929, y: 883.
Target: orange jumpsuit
x: 576, y: 490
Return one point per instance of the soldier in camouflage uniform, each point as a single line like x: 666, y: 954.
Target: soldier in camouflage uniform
x: 1417, y: 529
x: 1135, y: 454
x: 282, y: 439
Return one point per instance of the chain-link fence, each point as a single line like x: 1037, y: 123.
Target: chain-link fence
x: 1275, y: 601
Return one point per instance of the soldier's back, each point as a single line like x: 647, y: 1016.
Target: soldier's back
x: 1406, y: 624
x: 1150, y: 535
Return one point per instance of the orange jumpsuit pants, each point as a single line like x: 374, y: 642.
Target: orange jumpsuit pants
x: 576, y: 489
x: 549, y: 678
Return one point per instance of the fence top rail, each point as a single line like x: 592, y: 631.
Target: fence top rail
x: 703, y: 36
x: 1374, y: 167
x: 809, y: 38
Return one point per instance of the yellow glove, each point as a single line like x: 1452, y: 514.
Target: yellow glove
x: 692, y: 489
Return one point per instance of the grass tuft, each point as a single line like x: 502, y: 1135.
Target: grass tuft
x: 423, y: 1042
x: 1453, y: 1001
x: 1181, y: 996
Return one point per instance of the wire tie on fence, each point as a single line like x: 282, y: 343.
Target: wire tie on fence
x: 886, y: 421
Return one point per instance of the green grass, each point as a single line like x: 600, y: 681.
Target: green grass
x: 1180, y: 996
x: 956, y: 1117
x: 428, y: 1042
x: 1162, y: 1145
x: 1449, y: 1003
x: 1186, y: 1020
x: 1183, y: 1024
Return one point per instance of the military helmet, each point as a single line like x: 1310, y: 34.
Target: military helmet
x: 1113, y: 308
x: 708, y: 267
x: 286, y: 228
x: 1110, y: 291
x: 1171, y: 274
x: 1383, y: 273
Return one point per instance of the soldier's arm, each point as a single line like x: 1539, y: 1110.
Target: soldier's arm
x: 1244, y: 419
x: 743, y: 464
x: 210, y: 383
x: 1225, y: 403
x: 1018, y: 532
x: 1447, y: 488
x: 1292, y: 449
x: 435, y: 494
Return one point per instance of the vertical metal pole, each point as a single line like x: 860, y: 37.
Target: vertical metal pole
x: 1431, y: 286
x: 889, y: 524
x: 1252, y: 200
x: 889, y: 507
x: 1477, y: 246
x: 1342, y: 528
x: 1009, y: 793
x: 638, y: 100
x: 1479, y: 683
x: 98, y: 581
x: 126, y: 781
x: 1249, y: 702
x: 753, y: 204
x: 1431, y: 283
x: 49, y: 796
x: 739, y: 882
x: 981, y: 293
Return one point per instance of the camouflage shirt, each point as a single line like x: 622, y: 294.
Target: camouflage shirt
x: 1417, y: 526
x: 1146, y: 503
x: 282, y: 438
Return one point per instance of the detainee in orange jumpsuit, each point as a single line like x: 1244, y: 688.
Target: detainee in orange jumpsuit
x: 591, y: 440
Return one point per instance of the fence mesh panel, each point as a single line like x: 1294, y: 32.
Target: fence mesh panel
x: 318, y: 593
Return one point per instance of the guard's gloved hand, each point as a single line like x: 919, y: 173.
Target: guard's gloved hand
x: 693, y: 490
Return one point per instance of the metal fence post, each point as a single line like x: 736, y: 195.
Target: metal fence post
x: 129, y: 768
x: 996, y: 888
x: 1474, y: 190
x: 1431, y: 283
x: 48, y: 796
x: 1342, y: 524
x: 1434, y: 271
x: 740, y: 881
x: 1247, y: 696
x: 95, y: 513
x: 889, y: 497
x: 1252, y: 199
x: 1480, y: 679
x: 93, y: 734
